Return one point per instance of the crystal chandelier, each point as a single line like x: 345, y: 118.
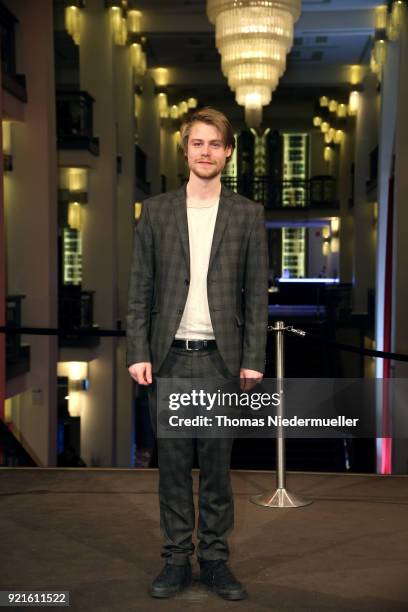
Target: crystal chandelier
x: 253, y: 38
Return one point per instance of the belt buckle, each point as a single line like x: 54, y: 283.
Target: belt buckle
x: 191, y: 349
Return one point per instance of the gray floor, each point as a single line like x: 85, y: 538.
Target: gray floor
x: 95, y: 533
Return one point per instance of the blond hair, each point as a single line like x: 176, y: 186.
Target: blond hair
x: 210, y: 116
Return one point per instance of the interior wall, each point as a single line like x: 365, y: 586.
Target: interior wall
x: 30, y: 193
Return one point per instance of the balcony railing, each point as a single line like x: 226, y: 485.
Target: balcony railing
x: 75, y: 121
x: 14, y: 83
x: 318, y: 192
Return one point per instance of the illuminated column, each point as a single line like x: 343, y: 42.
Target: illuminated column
x: 98, y: 54
x: 400, y: 289
x: 366, y: 139
x: 393, y: 136
x: 346, y: 153
x: 125, y: 118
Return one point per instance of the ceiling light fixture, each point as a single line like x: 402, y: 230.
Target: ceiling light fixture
x: 253, y: 38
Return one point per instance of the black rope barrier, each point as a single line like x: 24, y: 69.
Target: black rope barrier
x: 53, y: 331
x: 356, y: 349
x: 120, y: 333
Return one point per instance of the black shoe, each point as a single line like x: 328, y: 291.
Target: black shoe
x: 218, y: 576
x: 171, y: 580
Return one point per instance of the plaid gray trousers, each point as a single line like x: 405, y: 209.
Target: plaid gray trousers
x: 176, y: 455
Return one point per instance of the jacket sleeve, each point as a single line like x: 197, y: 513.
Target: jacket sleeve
x: 141, y: 284
x: 256, y: 297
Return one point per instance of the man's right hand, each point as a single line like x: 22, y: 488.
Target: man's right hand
x: 141, y: 372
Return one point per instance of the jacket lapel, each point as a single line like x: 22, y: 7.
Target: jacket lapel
x: 224, y: 209
x: 180, y: 210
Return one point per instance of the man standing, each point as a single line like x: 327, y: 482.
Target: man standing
x: 198, y: 308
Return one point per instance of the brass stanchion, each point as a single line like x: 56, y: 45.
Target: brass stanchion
x: 281, y: 497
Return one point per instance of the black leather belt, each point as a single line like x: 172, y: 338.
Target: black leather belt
x: 195, y: 345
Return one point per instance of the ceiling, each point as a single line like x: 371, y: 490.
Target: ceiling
x: 329, y: 36
x: 328, y: 32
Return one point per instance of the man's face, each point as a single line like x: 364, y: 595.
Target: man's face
x: 206, y: 152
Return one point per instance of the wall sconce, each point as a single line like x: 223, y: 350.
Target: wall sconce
x: 7, y: 146
x: 192, y: 103
x: 354, y: 102
x: 78, y: 370
x: 329, y: 135
x: 375, y: 213
x: 342, y: 111
x: 74, y: 216
x: 135, y: 51
x: 115, y: 13
x: 134, y: 20
x: 138, y: 210
x: 335, y: 225
x: 160, y: 76
x: 141, y: 66
x: 380, y: 17
x: 380, y: 53
x: 183, y: 108
x: 174, y: 111
x: 333, y: 104
x: 326, y: 248
x: 355, y: 74
x: 121, y: 36
x: 317, y: 121
x: 118, y: 22
x: 339, y: 137
x: 77, y: 180
x: 75, y: 371
x: 328, y: 154
x: 334, y: 245
x: 324, y: 101
x: 324, y: 126
x: 77, y: 374
x: 138, y: 57
x: 163, y: 105
x: 326, y: 232
x: 73, y: 19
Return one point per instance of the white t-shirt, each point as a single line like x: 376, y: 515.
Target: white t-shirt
x: 196, y: 323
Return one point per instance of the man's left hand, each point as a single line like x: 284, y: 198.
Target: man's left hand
x: 249, y: 378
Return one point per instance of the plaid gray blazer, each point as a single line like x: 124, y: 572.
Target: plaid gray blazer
x: 237, y: 280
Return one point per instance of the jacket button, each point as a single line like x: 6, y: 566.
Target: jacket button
x: 187, y: 282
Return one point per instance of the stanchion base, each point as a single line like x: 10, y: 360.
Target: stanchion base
x: 281, y: 498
